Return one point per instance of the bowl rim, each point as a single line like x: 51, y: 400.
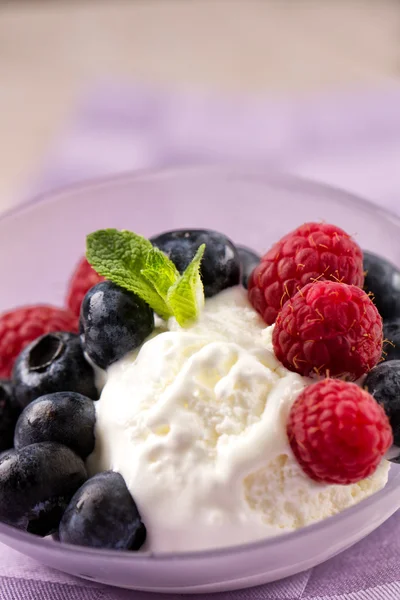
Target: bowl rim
x: 240, y: 172
x: 343, y: 517
x: 235, y: 170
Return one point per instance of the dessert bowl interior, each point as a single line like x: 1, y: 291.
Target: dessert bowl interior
x: 42, y: 242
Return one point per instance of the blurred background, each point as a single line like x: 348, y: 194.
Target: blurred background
x: 60, y: 59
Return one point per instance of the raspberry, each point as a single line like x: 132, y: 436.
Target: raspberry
x: 338, y: 432
x: 83, y: 278
x: 22, y: 325
x: 314, y: 251
x: 329, y: 327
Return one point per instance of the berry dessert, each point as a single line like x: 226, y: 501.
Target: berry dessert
x: 212, y: 397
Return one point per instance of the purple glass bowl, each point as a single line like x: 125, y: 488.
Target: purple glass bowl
x: 42, y: 242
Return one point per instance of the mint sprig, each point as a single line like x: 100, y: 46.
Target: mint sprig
x: 160, y: 271
x: 186, y: 295
x: 132, y: 262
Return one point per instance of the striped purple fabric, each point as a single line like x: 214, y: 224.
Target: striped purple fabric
x: 351, y: 140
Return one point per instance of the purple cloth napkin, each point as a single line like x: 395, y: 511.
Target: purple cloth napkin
x: 350, y: 140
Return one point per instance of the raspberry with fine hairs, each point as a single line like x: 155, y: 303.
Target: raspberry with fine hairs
x: 313, y: 251
x: 329, y: 328
x: 338, y: 432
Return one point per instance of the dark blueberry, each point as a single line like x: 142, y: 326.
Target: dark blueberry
x: 64, y: 417
x: 36, y: 485
x: 391, y: 334
x: 103, y: 514
x: 9, y: 413
x: 113, y: 322
x: 383, y: 382
x: 220, y: 267
x: 383, y: 280
x: 248, y: 260
x: 52, y: 363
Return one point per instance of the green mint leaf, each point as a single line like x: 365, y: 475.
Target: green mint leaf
x: 186, y: 296
x: 120, y: 256
x: 160, y: 272
x: 131, y: 261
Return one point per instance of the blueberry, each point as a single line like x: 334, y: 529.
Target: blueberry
x: 220, y: 267
x: 36, y: 485
x: 9, y: 413
x: 383, y: 382
x: 391, y: 334
x: 248, y: 260
x: 52, y: 363
x: 383, y: 280
x: 103, y: 514
x: 113, y: 322
x: 64, y: 417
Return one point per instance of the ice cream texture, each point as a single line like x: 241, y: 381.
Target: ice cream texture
x: 196, y: 424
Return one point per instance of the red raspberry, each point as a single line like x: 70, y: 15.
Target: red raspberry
x: 20, y: 326
x: 329, y: 327
x: 83, y: 278
x: 314, y: 251
x: 338, y: 432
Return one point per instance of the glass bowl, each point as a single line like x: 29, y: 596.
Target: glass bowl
x: 42, y: 241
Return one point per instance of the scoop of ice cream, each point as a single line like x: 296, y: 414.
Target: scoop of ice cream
x: 196, y: 424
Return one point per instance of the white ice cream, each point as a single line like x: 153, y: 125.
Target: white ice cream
x: 196, y: 424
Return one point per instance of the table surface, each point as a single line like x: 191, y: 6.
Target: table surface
x: 52, y: 52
